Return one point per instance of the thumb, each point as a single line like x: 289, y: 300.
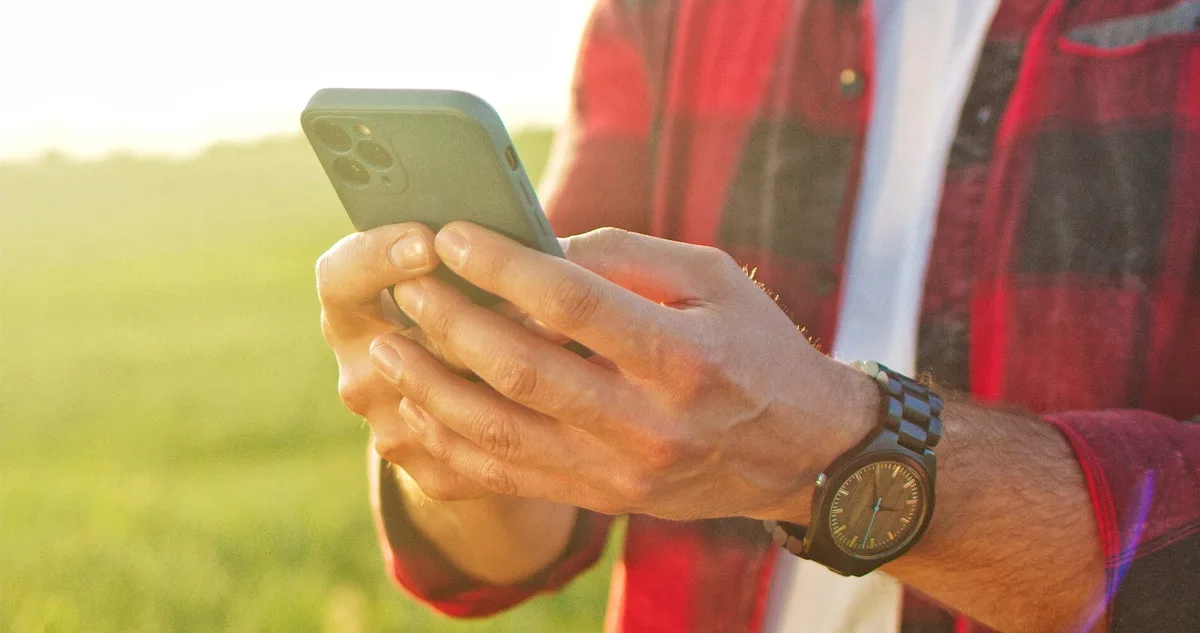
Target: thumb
x: 352, y: 273
x: 658, y: 269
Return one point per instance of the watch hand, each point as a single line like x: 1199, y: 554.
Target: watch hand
x: 872, y: 522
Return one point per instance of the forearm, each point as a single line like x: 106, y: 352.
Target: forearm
x: 497, y: 539
x: 1013, y: 541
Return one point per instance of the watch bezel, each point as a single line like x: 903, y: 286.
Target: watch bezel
x: 819, y: 543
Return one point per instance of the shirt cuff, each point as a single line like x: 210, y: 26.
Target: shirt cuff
x: 1143, y: 475
x: 419, y: 567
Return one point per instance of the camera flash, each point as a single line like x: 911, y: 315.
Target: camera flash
x: 362, y: 128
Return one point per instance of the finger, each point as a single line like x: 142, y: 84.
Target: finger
x: 661, y: 270
x: 437, y: 350
x: 614, y: 322
x: 519, y: 366
x: 391, y: 313
x: 437, y: 481
x: 512, y: 313
x: 395, y: 442
x: 351, y: 274
x: 496, y: 475
x: 361, y: 389
x: 500, y: 427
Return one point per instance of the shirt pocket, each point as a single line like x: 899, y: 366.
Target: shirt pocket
x: 1131, y: 34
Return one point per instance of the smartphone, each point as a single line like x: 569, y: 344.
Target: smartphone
x: 428, y: 156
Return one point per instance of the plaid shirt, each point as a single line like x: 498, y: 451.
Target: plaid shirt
x: 1064, y: 275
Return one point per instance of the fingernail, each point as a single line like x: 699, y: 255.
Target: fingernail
x: 410, y: 296
x: 387, y: 361
x: 410, y: 253
x: 413, y: 416
x: 452, y: 247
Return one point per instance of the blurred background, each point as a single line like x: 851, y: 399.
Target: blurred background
x: 173, y: 455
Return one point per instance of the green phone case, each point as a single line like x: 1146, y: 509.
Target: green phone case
x: 445, y: 156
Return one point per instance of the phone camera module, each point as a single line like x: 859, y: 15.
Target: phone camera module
x: 375, y: 155
x: 352, y: 171
x: 332, y: 135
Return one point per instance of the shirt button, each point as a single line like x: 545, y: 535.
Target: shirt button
x: 851, y: 82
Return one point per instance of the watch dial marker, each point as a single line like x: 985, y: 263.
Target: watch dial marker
x: 876, y: 509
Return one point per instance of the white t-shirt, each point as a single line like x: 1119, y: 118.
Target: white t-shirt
x: 926, y: 52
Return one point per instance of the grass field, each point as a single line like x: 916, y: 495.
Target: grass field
x: 173, y: 453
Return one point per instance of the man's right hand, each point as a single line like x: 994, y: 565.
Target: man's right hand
x: 524, y: 535
x: 352, y: 281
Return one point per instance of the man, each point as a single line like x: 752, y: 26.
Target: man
x: 1056, y: 261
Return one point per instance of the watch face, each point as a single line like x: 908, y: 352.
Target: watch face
x: 877, y: 509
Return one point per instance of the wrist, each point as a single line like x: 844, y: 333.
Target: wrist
x: 849, y: 413
x: 498, y: 539
x: 858, y: 407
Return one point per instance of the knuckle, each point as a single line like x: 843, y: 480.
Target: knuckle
x: 496, y: 437
x: 702, y: 361
x: 439, y: 448
x: 325, y: 261
x: 517, y: 379
x: 661, y: 453
x: 572, y: 303
x: 354, y: 393
x: 328, y: 265
x: 438, y: 324
x: 324, y: 275
x: 610, y: 239
x: 496, y: 478
x: 691, y: 371
x: 393, y: 447
x: 416, y: 389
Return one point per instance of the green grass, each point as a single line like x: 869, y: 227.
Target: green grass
x: 172, y: 450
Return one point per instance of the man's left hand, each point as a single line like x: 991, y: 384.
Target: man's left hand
x: 704, y: 399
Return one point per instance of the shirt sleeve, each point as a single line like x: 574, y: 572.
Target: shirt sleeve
x: 599, y: 171
x: 419, y: 567
x: 1143, y: 475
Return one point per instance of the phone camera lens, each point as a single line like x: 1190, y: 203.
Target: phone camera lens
x: 352, y: 171
x: 375, y: 154
x: 333, y: 136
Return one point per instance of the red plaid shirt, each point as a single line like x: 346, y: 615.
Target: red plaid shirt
x: 1064, y: 276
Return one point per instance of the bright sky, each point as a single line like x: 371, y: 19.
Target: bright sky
x: 157, y: 76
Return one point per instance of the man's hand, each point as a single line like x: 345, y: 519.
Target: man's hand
x: 704, y: 401
x: 523, y: 535
x: 351, y: 279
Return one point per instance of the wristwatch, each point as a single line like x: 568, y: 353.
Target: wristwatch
x: 874, y: 502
